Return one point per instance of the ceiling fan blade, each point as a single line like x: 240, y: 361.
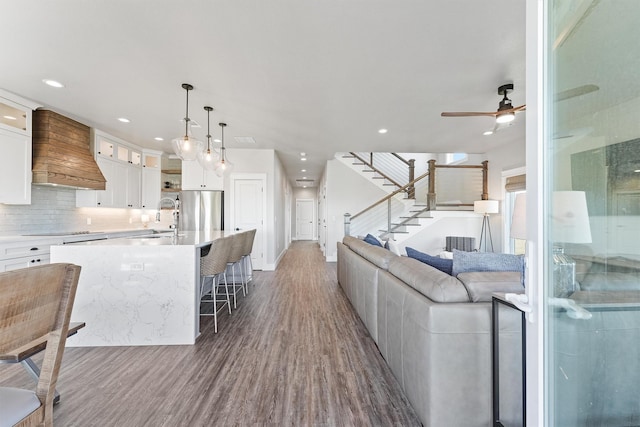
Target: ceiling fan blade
x: 576, y: 91
x: 467, y: 114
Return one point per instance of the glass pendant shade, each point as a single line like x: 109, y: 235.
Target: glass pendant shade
x: 187, y: 147
x: 223, y: 165
x: 207, y: 157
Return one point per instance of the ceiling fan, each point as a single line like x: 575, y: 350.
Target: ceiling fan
x: 505, y: 113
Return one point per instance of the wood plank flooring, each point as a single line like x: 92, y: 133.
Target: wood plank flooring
x: 294, y: 353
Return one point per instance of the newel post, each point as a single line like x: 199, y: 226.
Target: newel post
x: 431, y: 195
x: 485, y: 180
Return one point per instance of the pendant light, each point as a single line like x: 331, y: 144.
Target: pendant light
x: 223, y: 165
x: 187, y: 147
x: 208, y: 157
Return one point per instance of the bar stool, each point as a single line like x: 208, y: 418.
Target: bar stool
x: 233, y: 261
x: 247, y: 267
x: 213, y: 266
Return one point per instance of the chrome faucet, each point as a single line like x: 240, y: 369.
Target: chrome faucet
x: 176, y: 212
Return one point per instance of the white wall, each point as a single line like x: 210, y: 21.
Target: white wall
x: 346, y: 191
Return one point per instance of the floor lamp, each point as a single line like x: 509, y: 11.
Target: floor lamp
x: 485, y: 207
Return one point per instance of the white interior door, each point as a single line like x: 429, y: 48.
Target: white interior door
x: 248, y: 213
x: 304, y: 219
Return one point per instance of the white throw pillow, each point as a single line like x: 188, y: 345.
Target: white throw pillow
x: 394, y: 248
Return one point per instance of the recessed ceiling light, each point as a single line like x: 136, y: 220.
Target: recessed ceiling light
x: 124, y: 120
x: 217, y: 140
x: 304, y: 159
x: 489, y: 132
x: 303, y: 170
x: 637, y: 171
x: 304, y: 177
x: 382, y: 130
x: 53, y: 83
x: 157, y: 138
x: 9, y: 117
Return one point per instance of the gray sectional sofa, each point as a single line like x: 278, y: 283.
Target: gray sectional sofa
x: 434, y: 330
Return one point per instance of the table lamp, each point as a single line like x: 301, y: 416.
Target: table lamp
x: 569, y: 224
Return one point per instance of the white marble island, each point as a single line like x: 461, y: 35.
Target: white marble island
x: 137, y: 290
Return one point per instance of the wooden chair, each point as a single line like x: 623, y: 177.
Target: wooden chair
x: 35, y: 306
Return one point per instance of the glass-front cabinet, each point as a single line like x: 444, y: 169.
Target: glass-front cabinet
x: 591, y: 199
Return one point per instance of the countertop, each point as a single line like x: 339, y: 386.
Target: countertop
x: 167, y: 238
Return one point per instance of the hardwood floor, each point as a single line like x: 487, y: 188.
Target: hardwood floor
x: 293, y: 353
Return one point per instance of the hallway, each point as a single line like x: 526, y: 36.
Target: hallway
x: 293, y: 353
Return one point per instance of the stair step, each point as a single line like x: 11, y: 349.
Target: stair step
x: 348, y: 156
x: 397, y: 232
x: 408, y: 224
x: 357, y: 164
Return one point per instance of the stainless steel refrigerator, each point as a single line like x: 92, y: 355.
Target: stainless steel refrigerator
x: 201, y: 210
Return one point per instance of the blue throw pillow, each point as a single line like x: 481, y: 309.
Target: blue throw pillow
x: 442, y: 264
x: 486, y: 261
x: 370, y: 239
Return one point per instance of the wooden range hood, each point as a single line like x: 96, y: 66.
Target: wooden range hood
x: 61, y: 153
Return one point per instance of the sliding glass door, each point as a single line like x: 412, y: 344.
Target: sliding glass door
x: 591, y: 237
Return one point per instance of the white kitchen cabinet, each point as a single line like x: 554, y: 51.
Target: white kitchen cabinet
x: 23, y: 262
x: 23, y: 254
x: 15, y: 168
x: 121, y: 164
x: 15, y: 146
x: 195, y: 177
x: 115, y: 193
x: 133, y: 185
x: 151, y: 179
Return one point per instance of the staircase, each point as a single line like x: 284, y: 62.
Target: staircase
x: 410, y: 205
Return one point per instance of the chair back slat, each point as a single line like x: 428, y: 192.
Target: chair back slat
x: 30, y: 303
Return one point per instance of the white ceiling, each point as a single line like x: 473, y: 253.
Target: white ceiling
x: 296, y: 75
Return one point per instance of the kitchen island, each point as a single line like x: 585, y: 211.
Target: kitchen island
x: 138, y: 290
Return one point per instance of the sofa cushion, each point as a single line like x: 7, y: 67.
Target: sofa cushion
x: 377, y: 255
x: 442, y: 264
x: 486, y: 261
x: 429, y: 281
x: 481, y: 285
x: 372, y: 240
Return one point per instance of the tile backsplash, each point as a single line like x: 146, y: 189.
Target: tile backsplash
x: 53, y: 209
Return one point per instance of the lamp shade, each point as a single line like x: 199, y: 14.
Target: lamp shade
x: 570, y: 220
x: 486, y: 206
x: 519, y: 217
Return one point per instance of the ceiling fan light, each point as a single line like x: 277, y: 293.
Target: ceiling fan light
x: 505, y: 118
